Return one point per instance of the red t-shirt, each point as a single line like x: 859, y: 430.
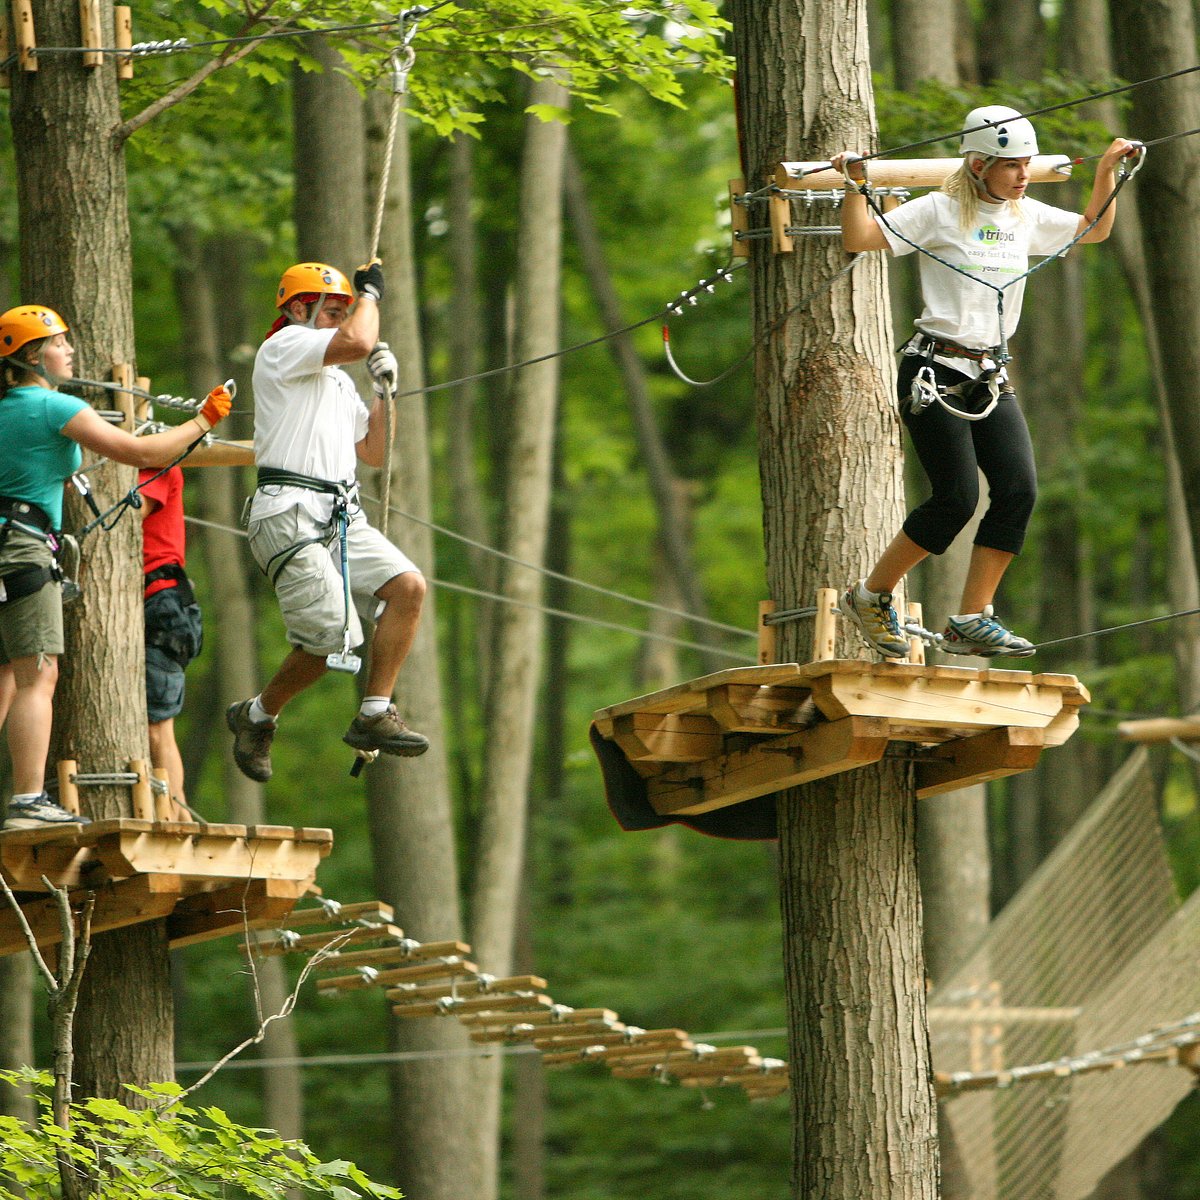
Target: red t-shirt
x: 163, y: 538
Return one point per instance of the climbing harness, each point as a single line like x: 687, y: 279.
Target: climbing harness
x: 25, y: 581
x: 345, y: 499
x: 972, y: 399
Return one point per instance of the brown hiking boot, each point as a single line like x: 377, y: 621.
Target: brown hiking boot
x: 386, y: 732
x: 251, y: 742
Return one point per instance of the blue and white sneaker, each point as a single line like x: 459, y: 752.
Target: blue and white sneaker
x: 39, y: 813
x: 876, y: 620
x: 982, y: 634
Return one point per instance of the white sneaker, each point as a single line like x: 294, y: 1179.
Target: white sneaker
x: 39, y: 813
x: 985, y: 636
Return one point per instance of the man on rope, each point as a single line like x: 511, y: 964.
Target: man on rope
x: 174, y: 633
x: 41, y: 431
x: 307, y: 530
x: 975, y: 237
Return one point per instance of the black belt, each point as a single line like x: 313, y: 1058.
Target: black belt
x: 25, y: 582
x: 270, y: 476
x: 952, y: 349
x: 175, y: 572
x: 27, y: 514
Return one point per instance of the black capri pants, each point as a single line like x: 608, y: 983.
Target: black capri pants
x: 953, y: 451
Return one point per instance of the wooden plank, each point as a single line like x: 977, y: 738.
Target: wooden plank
x: 142, y: 798
x: 127, y: 902
x: 825, y: 624
x: 739, y: 218
x: 68, y: 793
x: 447, y: 969
x: 947, y: 1014
x: 384, y: 955
x: 256, y: 904
x: 527, y: 1031
x: 749, y: 708
x: 64, y: 863
x: 666, y: 737
x: 906, y: 172
x: 347, y: 914
x: 561, y: 1014
x: 450, y: 1008
x: 780, y: 211
x: 127, y: 852
x: 767, y: 639
x: 918, y: 699
x: 825, y: 749
x: 609, y: 1042
x: 1161, y: 729
x: 481, y: 986
x: 22, y: 19
x: 986, y: 756
x: 123, y: 32
x: 683, y: 697
x: 318, y: 941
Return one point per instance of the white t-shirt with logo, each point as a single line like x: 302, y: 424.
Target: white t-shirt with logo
x: 307, y: 418
x: 996, y: 250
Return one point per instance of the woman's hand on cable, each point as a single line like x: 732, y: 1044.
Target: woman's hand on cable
x: 215, y: 407
x: 848, y: 164
x: 1120, y: 148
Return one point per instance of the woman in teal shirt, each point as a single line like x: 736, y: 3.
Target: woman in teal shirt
x: 41, y: 432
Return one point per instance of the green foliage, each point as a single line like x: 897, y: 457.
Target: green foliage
x: 167, y: 1150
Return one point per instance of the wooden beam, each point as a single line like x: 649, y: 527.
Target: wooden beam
x: 127, y: 902
x: 68, y: 794
x: 559, y: 1015
x: 666, y: 737
x: 481, y: 986
x: 347, y: 914
x: 60, y: 857
x: 767, y: 640
x: 450, y: 968
x: 750, y: 708
x: 907, y: 172
x: 739, y: 219
x: 390, y: 955
x: 441, y: 1008
x: 526, y: 1031
x: 825, y: 749
x: 22, y: 19
x: 689, y: 696
x: 221, y: 454
x: 986, y: 756
x: 824, y: 638
x: 947, y: 1014
x: 609, y: 1042
x: 780, y: 209
x: 123, y: 31
x: 90, y: 31
x: 318, y: 941
x: 1161, y: 729
x: 252, y: 904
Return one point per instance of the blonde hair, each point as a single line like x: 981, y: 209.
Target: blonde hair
x: 960, y: 185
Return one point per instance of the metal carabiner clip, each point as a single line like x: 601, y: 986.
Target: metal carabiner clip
x: 924, y: 390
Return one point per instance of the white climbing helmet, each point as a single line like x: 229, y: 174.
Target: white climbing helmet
x: 1008, y: 134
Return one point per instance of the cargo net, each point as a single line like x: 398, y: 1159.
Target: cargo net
x: 1091, y: 968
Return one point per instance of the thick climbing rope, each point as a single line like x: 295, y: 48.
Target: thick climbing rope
x: 401, y: 62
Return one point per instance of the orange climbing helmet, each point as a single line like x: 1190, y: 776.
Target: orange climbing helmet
x: 311, y: 279
x: 27, y: 323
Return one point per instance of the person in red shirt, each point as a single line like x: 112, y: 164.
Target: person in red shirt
x: 173, y: 629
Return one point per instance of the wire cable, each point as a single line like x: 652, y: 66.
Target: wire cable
x: 645, y: 634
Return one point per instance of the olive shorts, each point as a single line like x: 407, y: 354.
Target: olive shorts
x: 309, y: 588
x: 32, y: 625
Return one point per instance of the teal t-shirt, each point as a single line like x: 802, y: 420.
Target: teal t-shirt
x: 36, y: 458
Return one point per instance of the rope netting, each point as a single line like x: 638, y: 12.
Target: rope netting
x: 1089, y: 954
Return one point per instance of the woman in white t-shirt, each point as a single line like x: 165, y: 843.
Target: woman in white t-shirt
x: 955, y: 398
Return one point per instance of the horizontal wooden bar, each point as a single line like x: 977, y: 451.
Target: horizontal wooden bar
x: 450, y: 968
x: 560, y: 1014
x: 347, y: 914
x: 1161, y: 729
x: 449, y: 1007
x: 257, y: 903
x: 221, y: 454
x: 318, y: 941
x: 479, y: 986
x: 385, y: 955
x: 986, y: 756
x: 907, y: 172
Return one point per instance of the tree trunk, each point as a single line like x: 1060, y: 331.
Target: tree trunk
x: 864, y: 1116
x: 669, y: 498
x: 1152, y: 39
x: 75, y: 255
x: 230, y: 629
x: 441, y: 1153
x: 921, y: 32
x: 1012, y: 41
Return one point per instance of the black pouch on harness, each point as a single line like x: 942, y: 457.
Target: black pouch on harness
x: 25, y: 582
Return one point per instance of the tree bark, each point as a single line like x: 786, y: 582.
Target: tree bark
x: 864, y: 1116
x: 1012, y: 43
x: 923, y: 36
x: 1152, y: 39
x: 75, y: 256
x: 229, y: 627
x: 442, y: 1150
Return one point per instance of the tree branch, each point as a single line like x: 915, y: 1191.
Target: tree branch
x: 47, y: 975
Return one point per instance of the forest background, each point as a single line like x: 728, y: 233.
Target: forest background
x: 668, y: 928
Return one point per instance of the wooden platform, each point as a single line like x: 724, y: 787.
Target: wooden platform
x: 749, y: 731
x: 206, y: 880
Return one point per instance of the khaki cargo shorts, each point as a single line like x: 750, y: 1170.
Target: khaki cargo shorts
x: 309, y: 588
x: 32, y: 625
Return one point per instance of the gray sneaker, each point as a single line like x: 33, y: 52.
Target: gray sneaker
x: 877, y: 622
x: 251, y: 742
x: 40, y: 813
x: 386, y: 732
x: 985, y: 636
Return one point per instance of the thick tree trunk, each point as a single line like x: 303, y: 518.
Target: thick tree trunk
x: 229, y: 627
x: 1152, y: 39
x: 669, y: 498
x: 1012, y: 42
x: 75, y: 256
x: 441, y: 1153
x: 923, y: 35
x: 864, y: 1116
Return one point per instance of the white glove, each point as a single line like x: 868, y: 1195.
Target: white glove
x: 381, y: 363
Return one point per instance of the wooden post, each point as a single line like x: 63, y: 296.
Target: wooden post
x: 68, y: 793
x: 781, y: 212
x: 123, y: 25
x: 739, y: 218
x: 22, y: 17
x: 825, y: 625
x: 142, y: 406
x: 916, y: 647
x: 766, y: 634
x: 122, y: 375
x: 164, y: 803
x: 143, y: 797
x: 90, y: 31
